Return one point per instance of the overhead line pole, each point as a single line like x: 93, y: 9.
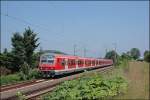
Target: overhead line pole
x: 115, y: 46
x: 84, y: 52
x: 74, y: 48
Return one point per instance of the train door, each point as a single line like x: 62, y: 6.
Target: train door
x: 66, y: 64
x: 96, y: 62
x: 60, y: 63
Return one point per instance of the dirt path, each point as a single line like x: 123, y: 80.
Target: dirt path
x: 138, y: 76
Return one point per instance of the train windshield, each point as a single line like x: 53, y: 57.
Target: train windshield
x: 49, y: 59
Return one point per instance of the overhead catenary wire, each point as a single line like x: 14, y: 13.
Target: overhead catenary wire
x: 29, y: 24
x: 26, y: 22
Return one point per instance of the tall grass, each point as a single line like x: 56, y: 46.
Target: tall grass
x: 13, y: 78
x: 19, y: 77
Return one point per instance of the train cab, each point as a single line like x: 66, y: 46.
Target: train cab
x: 47, y: 63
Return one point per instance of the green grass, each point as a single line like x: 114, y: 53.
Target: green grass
x: 13, y: 78
x: 18, y: 77
x: 138, y: 78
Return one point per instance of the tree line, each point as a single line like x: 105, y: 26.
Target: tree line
x: 133, y: 54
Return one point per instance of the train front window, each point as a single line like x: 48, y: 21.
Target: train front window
x: 43, y: 61
x: 49, y: 59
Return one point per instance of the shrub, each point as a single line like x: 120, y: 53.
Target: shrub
x: 88, y: 88
x: 20, y: 96
x: 147, y: 56
x: 34, y: 74
x: 24, y: 71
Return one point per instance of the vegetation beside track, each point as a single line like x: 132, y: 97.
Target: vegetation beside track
x: 137, y: 74
x: 19, y: 77
x: 12, y: 78
x: 91, y: 86
x: 129, y: 80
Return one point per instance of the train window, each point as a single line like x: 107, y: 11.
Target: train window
x: 93, y: 62
x: 50, y: 61
x: 43, y: 61
x: 63, y: 62
x: 79, y: 62
x: 90, y: 62
x: 73, y: 62
x: 50, y: 56
x: 96, y: 62
x: 86, y: 63
x: 69, y: 62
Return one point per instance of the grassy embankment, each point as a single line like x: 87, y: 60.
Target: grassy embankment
x: 138, y: 78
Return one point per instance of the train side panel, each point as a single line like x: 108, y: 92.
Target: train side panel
x: 66, y: 64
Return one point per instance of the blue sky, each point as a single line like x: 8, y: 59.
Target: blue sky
x: 94, y: 25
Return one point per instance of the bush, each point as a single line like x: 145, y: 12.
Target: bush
x: 88, y: 88
x: 34, y: 74
x: 20, y: 96
x: 147, y: 56
x: 24, y: 71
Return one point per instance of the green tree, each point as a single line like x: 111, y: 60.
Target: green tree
x: 147, y: 56
x: 146, y: 52
x: 23, y: 48
x: 126, y: 56
x: 30, y: 44
x: 36, y: 59
x: 112, y: 55
x: 5, y: 51
x: 135, y: 53
x: 5, y: 59
x: 18, y: 53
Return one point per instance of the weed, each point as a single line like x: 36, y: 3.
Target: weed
x: 20, y: 96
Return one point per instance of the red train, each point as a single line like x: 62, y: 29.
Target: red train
x: 55, y: 64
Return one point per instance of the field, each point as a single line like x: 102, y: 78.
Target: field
x: 137, y: 75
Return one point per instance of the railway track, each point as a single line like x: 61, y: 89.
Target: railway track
x: 36, y: 94
x: 18, y: 85
x: 34, y: 89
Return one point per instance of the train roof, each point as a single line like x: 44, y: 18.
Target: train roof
x: 53, y: 52
x: 63, y: 55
